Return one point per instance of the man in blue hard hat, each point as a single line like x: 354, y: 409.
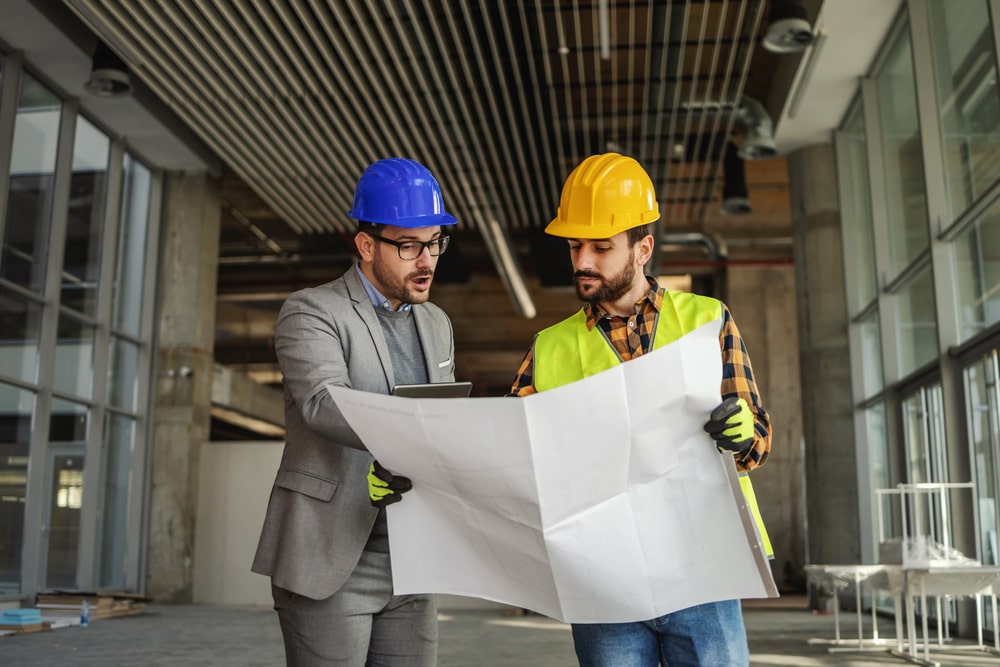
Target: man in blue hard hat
x: 324, y: 543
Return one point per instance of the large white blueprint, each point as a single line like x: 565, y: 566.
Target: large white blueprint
x: 600, y: 501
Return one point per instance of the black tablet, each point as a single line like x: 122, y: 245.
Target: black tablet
x: 433, y: 390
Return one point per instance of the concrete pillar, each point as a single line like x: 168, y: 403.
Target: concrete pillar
x: 762, y: 300
x: 824, y: 356
x: 181, y: 420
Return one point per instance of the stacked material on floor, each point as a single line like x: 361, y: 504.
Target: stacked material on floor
x: 18, y: 621
x: 99, y: 605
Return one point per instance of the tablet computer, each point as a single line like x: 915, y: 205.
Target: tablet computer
x: 433, y: 390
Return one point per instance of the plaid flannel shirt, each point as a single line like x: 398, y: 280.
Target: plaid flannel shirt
x: 631, y: 338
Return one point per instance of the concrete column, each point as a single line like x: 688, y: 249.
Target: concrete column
x: 824, y: 356
x: 181, y: 421
x: 762, y: 300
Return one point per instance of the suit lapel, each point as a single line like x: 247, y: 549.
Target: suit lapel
x: 365, y: 310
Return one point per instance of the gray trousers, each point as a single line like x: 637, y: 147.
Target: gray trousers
x: 361, y: 625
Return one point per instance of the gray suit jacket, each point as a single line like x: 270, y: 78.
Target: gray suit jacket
x: 319, y: 515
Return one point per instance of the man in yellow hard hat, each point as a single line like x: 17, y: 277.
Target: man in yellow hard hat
x: 606, y: 212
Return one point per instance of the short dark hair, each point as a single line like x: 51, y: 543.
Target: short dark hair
x: 370, y: 228
x: 636, y: 234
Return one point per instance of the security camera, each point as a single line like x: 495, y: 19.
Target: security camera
x: 788, y: 36
x: 788, y: 29
x: 109, y: 75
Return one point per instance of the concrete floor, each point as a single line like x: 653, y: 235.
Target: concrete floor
x: 245, y: 637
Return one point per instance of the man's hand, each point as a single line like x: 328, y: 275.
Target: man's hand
x: 731, y: 426
x: 384, y: 488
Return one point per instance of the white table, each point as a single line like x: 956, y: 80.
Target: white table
x: 910, y: 582
x: 834, y: 578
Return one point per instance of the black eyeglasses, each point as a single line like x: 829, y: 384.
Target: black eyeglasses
x: 413, y: 249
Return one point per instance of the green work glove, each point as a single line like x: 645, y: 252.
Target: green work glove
x: 384, y: 488
x: 731, y: 426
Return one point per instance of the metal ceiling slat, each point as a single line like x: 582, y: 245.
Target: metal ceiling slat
x: 697, y: 186
x: 457, y: 154
x: 551, y: 173
x: 220, y: 87
x: 500, y: 175
x: 644, y: 94
x: 320, y: 124
x: 536, y: 173
x: 558, y: 126
x: 306, y: 31
x: 720, y: 130
x: 632, y: 137
x: 661, y: 183
x: 483, y: 182
x: 410, y: 135
x: 498, y: 246
x: 304, y: 144
x: 692, y: 98
x: 580, y: 55
x: 169, y: 90
x: 264, y: 137
x: 261, y: 142
x: 518, y: 165
x: 372, y: 89
x: 649, y: 138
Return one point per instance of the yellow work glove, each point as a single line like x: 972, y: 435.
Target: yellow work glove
x: 731, y: 426
x: 384, y: 488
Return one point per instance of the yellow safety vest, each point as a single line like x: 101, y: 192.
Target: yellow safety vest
x: 567, y: 351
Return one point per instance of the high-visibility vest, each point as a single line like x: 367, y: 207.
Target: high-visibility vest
x: 567, y: 351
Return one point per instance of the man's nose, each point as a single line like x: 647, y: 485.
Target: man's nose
x: 425, y: 258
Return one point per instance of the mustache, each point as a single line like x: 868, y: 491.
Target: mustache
x: 587, y: 274
x: 425, y: 273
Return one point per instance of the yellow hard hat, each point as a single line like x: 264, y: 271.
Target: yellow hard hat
x: 605, y: 195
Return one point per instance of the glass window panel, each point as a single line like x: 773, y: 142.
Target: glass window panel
x: 982, y: 414
x: 123, y: 376
x: 871, y: 354
x: 29, y: 204
x: 880, y: 474
x: 917, y: 333
x: 131, y: 246
x: 17, y: 407
x: 904, y: 163
x: 966, y: 73
x: 915, y: 433
x: 66, y: 456
x: 119, y: 435
x: 20, y: 324
x: 74, y: 368
x: 85, y: 218
x: 977, y: 272
x: 860, y: 255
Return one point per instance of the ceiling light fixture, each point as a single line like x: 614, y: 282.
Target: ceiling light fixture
x: 109, y: 75
x: 788, y: 29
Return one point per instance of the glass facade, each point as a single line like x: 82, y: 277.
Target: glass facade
x: 965, y: 70
x: 925, y: 343
x: 75, y: 252
x: 902, y: 157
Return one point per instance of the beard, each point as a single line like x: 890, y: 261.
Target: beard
x: 609, y: 289
x: 396, y: 287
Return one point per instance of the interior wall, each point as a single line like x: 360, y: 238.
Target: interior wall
x: 762, y: 301
x: 234, y: 485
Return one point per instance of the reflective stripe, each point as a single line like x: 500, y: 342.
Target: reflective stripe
x: 567, y: 351
x: 751, y: 499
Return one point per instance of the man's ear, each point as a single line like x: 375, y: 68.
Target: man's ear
x: 644, y: 249
x: 365, y: 245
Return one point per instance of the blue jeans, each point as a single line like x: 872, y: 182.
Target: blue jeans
x: 709, y: 635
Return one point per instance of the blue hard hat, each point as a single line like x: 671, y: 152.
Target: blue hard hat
x: 401, y: 192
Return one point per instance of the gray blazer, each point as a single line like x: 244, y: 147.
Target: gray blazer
x: 319, y: 514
